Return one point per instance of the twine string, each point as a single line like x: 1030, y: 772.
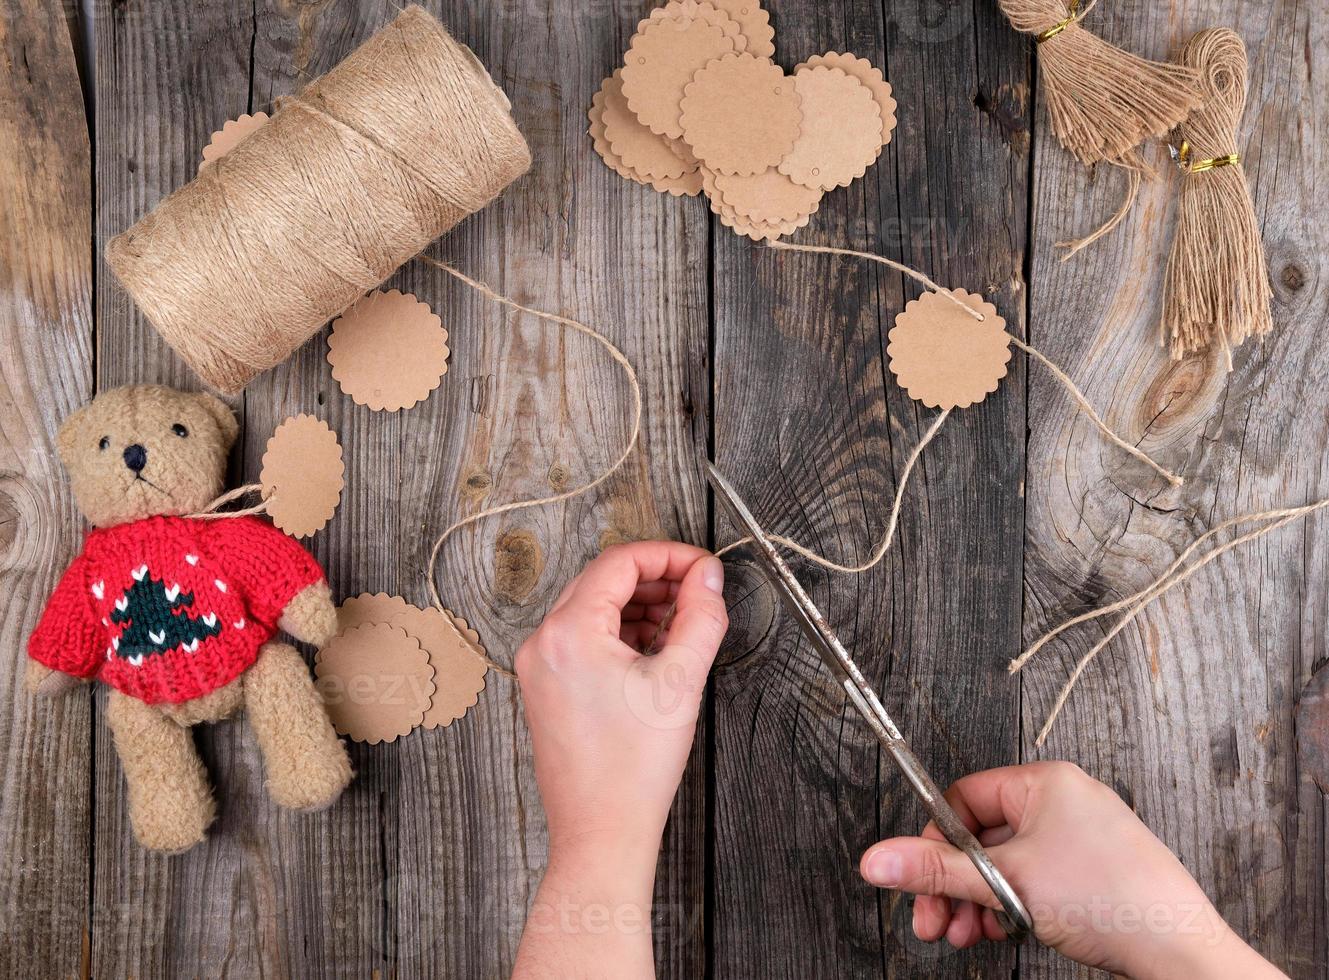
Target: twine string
x: 634, y: 386
x: 1174, y: 576
x: 1078, y: 396
x: 884, y: 545
x: 213, y: 510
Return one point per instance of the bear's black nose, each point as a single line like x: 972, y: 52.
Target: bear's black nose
x: 136, y: 457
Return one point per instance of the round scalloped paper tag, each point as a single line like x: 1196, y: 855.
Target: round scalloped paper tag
x: 943, y: 356
x: 302, y: 475
x: 388, y: 351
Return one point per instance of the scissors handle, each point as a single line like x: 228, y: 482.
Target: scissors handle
x: 1012, y: 915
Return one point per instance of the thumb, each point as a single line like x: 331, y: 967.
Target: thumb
x: 700, y: 622
x: 923, y: 866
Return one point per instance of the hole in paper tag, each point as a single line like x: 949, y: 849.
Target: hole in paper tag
x: 302, y: 475
x: 740, y: 115
x: 224, y: 140
x: 376, y: 681
x: 841, y: 130
x: 863, y: 70
x: 662, y: 59
x: 388, y: 351
x: 943, y: 356
x: 453, y: 648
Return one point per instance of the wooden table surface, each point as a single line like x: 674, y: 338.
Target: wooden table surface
x: 1019, y: 515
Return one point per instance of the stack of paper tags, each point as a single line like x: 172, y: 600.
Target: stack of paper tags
x: 700, y: 106
x: 394, y: 667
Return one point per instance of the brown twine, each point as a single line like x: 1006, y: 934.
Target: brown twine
x: 362, y: 170
x: 1174, y: 575
x: 1216, y: 288
x: 635, y: 386
x: 214, y: 509
x: 1102, y: 101
x: 1058, y: 373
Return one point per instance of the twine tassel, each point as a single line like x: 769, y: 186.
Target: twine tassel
x: 1102, y: 101
x: 1216, y: 289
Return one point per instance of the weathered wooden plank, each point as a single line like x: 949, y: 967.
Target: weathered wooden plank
x: 1188, y: 713
x: 45, y: 372
x: 527, y: 410
x: 810, y: 428
x: 167, y: 74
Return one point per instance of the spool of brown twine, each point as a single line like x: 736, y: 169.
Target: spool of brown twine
x: 351, y: 178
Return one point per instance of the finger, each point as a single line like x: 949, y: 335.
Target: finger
x: 649, y: 593
x: 607, y: 583
x: 633, y: 612
x: 992, y: 836
x: 966, y: 926
x: 636, y: 635
x: 992, y: 929
x: 565, y: 594
x: 925, y: 867
x: 700, y: 622
x: 995, y: 796
x: 932, y: 914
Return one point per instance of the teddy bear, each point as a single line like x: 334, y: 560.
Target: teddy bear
x: 177, y: 613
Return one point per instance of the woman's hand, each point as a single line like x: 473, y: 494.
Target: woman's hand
x: 1101, y: 888
x: 611, y: 731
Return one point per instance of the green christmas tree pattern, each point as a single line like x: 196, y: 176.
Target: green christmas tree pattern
x: 156, y: 619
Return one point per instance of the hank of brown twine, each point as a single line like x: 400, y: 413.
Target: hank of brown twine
x: 1102, y: 101
x: 1216, y: 290
x: 364, y: 168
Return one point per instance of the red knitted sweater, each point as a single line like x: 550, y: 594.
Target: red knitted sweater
x: 170, y: 608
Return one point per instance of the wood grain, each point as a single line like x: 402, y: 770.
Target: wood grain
x: 1019, y: 515
x: 812, y: 431
x: 45, y: 309
x: 1188, y: 712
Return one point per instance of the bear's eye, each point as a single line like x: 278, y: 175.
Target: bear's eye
x: 179, y: 430
x: 105, y: 443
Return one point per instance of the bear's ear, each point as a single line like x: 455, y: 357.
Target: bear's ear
x: 69, y: 438
x: 221, y: 414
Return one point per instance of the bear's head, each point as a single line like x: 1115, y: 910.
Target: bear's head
x: 144, y: 450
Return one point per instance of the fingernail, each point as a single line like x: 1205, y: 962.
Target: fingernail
x: 712, y: 575
x: 885, y: 869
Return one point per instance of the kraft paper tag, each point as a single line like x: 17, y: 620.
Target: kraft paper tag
x: 943, y: 356
x: 768, y: 197
x: 863, y: 70
x: 755, y: 24
x: 755, y: 229
x: 841, y: 132
x: 224, y: 140
x: 302, y: 475
x: 388, y: 351
x: 661, y: 60
x: 376, y: 681
x: 740, y: 115
x: 645, y: 153
x: 689, y: 184
x: 453, y: 647
x: 700, y: 10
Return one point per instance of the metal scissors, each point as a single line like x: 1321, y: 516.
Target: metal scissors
x: 1013, y: 916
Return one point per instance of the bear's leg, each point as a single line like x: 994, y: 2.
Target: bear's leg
x: 170, y: 802
x: 307, y: 764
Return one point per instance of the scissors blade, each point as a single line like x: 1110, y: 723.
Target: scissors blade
x: 1013, y: 916
x: 799, y: 604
